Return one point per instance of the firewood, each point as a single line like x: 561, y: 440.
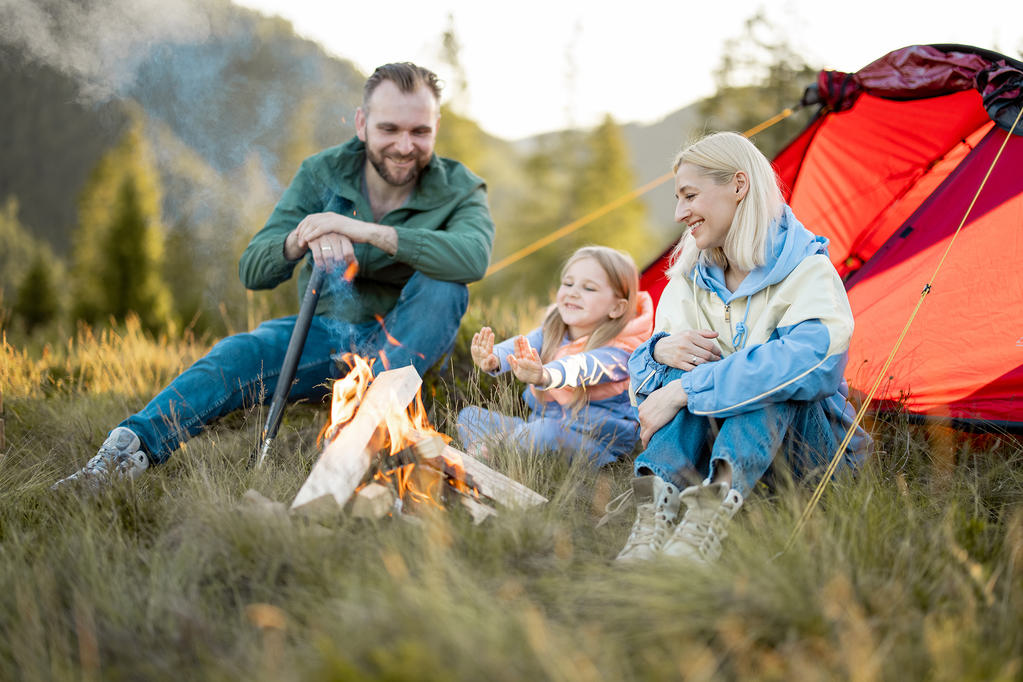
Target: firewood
x: 479, y: 511
x: 373, y: 501
x: 494, y: 485
x: 346, y: 459
x: 254, y: 501
x: 427, y: 481
x: 434, y: 452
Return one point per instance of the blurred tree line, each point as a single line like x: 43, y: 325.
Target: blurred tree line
x: 167, y: 204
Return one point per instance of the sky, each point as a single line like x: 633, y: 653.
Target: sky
x: 535, y: 66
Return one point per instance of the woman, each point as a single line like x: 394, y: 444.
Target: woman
x: 750, y: 343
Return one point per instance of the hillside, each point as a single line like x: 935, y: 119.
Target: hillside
x: 246, y: 93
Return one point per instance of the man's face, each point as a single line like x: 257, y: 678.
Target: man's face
x: 399, y: 130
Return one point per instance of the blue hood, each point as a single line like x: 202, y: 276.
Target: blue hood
x: 788, y: 243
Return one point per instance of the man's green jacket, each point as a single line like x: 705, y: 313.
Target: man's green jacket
x: 444, y: 231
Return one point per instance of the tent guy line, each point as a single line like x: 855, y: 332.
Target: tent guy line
x: 615, y: 203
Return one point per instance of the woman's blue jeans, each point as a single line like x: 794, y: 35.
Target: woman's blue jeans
x: 242, y: 369
x: 748, y: 442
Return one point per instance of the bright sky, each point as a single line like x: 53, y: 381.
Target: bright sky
x: 637, y: 60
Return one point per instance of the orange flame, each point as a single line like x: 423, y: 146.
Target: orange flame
x: 401, y: 428
x: 390, y: 339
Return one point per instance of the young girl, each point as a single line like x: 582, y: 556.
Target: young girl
x: 578, y: 380
x: 751, y: 343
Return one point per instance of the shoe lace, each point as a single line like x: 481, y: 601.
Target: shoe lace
x: 615, y: 507
x: 705, y: 529
x: 651, y: 525
x: 109, y: 460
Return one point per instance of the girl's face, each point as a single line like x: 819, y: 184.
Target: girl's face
x: 706, y: 207
x: 585, y: 298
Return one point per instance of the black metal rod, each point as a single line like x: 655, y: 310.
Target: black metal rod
x: 294, y: 352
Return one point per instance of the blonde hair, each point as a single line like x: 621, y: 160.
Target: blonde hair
x: 624, y: 280
x: 719, y: 157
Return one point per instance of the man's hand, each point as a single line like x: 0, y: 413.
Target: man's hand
x: 686, y: 350
x: 659, y: 408
x: 329, y: 251
x: 482, y: 349
x: 526, y: 365
x: 333, y: 232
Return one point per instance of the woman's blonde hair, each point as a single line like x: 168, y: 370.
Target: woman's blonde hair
x: 720, y: 156
x: 624, y: 280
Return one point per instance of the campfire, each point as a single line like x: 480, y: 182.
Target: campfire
x: 382, y: 457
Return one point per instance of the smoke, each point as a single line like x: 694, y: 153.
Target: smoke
x: 100, y: 44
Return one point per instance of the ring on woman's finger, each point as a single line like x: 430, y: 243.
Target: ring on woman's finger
x: 693, y: 359
x: 325, y: 248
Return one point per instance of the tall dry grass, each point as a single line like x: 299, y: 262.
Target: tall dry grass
x: 910, y: 569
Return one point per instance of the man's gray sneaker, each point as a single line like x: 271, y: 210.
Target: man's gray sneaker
x: 120, y: 456
x: 656, y: 508
x: 698, y: 536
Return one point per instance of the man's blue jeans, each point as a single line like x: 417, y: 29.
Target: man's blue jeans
x: 242, y: 369
x: 748, y: 442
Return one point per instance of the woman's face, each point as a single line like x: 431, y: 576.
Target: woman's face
x: 706, y: 207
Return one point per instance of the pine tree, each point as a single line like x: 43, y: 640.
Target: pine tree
x: 759, y: 75
x: 131, y: 279
x: 605, y: 174
x: 37, y: 302
x: 18, y: 249
x: 119, y: 243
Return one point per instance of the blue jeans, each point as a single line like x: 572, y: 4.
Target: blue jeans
x: 747, y: 442
x: 242, y: 369
x: 599, y: 443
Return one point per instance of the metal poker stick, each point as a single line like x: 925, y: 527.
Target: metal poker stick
x: 294, y: 352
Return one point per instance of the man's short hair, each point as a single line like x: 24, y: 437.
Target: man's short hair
x: 406, y: 75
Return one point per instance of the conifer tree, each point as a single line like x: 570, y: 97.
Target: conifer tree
x: 119, y: 243
x: 130, y: 279
x: 605, y: 174
x: 758, y: 76
x: 17, y: 252
x: 37, y: 301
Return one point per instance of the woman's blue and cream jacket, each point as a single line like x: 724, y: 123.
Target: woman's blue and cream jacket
x: 784, y: 334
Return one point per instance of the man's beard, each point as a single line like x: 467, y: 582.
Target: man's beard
x: 379, y: 163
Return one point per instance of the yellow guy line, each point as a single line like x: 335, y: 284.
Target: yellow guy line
x: 612, y: 205
x: 833, y: 465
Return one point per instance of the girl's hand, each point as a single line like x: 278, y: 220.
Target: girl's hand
x: 482, y: 349
x: 659, y: 408
x: 526, y: 365
x: 686, y: 350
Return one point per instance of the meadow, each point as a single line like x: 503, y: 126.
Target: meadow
x: 910, y: 569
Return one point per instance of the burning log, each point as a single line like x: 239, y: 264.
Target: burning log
x: 373, y: 501
x: 346, y: 459
x: 435, y: 453
x: 383, y: 421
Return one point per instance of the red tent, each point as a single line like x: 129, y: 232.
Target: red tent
x: 886, y: 171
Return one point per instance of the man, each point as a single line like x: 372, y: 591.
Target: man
x: 415, y: 225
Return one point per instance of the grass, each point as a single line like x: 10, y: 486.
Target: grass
x: 911, y: 569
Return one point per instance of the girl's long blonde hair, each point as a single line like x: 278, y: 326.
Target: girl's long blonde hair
x: 624, y: 279
x: 719, y: 157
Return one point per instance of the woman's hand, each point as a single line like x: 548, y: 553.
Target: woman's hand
x: 686, y: 350
x: 482, y: 349
x: 526, y: 365
x: 659, y: 408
